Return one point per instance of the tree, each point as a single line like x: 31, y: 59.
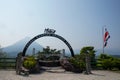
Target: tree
x: 48, y: 54
x: 88, y: 54
x: 2, y: 54
x: 88, y: 50
x: 46, y: 50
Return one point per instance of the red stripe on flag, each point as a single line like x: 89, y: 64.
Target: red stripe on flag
x: 106, y: 37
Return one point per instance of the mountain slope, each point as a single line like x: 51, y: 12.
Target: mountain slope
x: 14, y: 49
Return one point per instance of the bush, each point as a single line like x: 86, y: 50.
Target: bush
x: 53, y: 58
x: 78, y: 64
x: 116, y: 63
x: 30, y: 62
x: 107, y: 64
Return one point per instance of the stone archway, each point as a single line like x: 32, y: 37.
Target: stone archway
x: 51, y: 33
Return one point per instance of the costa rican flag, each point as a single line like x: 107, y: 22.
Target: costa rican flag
x: 106, y: 37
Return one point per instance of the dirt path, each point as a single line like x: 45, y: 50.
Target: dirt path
x: 60, y: 75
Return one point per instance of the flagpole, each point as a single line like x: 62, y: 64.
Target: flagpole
x: 103, y: 38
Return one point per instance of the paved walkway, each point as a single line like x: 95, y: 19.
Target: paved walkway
x: 60, y: 74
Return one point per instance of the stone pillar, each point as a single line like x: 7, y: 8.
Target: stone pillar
x: 33, y: 51
x: 88, y: 64
x: 62, y: 54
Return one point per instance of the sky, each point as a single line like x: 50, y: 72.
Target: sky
x: 80, y: 22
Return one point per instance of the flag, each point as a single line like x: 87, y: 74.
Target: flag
x: 106, y: 37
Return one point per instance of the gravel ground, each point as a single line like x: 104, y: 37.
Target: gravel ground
x: 60, y: 75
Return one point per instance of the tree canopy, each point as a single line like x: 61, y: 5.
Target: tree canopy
x: 88, y: 50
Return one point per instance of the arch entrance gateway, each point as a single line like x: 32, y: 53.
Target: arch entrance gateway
x: 51, y: 33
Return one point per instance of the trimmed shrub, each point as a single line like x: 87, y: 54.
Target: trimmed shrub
x: 53, y: 58
x: 116, y: 63
x: 30, y: 62
x: 107, y: 64
x: 78, y: 64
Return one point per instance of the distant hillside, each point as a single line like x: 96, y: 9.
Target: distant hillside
x: 116, y: 56
x: 14, y: 49
x: 108, y: 51
x: 99, y: 51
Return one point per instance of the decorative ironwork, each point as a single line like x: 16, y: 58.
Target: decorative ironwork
x: 51, y: 33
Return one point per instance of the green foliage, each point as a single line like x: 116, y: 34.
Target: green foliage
x: 41, y: 57
x: 116, y: 63
x: 88, y: 50
x: 77, y: 62
x: 30, y: 62
x: 3, y: 61
x: 2, y: 54
x: 53, y: 58
x: 104, y: 56
x: 7, y: 63
x: 47, y: 50
x: 109, y: 62
x: 48, y: 54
